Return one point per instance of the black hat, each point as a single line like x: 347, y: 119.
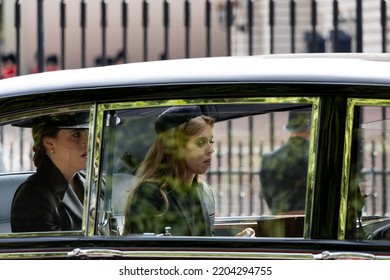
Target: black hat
x: 298, y: 121
x: 175, y: 116
x: 65, y: 121
x: 10, y: 57
x: 52, y: 59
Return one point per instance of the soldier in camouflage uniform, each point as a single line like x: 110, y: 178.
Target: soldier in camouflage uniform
x: 284, y: 171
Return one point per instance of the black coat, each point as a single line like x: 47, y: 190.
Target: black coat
x: 46, y: 202
x: 190, y: 212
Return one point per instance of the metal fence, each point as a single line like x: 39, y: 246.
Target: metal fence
x: 224, y: 9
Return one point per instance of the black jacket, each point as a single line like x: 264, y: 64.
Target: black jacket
x: 190, y: 212
x: 45, y: 202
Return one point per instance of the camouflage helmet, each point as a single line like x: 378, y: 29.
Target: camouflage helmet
x: 298, y: 121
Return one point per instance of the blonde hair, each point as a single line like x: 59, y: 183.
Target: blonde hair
x: 164, y: 163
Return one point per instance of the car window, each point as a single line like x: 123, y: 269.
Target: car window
x: 15, y: 149
x: 258, y: 173
x: 368, y: 206
x: 38, y: 152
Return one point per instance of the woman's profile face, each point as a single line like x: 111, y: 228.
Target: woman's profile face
x: 198, y: 151
x: 69, y: 149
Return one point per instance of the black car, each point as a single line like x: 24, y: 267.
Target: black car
x: 342, y: 211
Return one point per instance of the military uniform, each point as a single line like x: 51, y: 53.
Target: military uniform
x: 283, y: 176
x: 283, y: 172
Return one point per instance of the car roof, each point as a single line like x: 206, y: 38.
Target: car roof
x: 356, y: 68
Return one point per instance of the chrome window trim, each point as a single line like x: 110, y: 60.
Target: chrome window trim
x: 90, y: 197
x: 345, y: 169
x: 123, y: 254
x: 311, y: 168
x: 103, y: 253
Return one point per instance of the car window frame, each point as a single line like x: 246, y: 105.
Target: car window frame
x: 352, y: 104
x: 314, y: 101
x: 88, y: 107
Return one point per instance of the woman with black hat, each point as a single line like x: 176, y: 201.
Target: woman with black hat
x: 169, y: 193
x: 170, y: 198
x: 52, y: 198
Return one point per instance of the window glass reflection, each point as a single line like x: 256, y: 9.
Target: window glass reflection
x: 368, y: 209
x: 243, y: 150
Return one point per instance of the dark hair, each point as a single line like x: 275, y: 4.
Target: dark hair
x: 52, y: 59
x: 164, y: 162
x: 39, y: 132
x: 10, y: 57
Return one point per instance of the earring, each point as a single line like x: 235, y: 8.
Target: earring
x: 52, y: 150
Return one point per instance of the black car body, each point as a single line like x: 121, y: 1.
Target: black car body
x: 250, y: 97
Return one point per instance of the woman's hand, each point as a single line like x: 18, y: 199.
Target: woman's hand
x: 248, y: 232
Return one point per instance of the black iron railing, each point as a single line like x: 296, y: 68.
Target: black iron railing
x: 208, y: 16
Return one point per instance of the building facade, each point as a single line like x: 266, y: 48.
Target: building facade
x: 282, y: 28
x: 165, y: 31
